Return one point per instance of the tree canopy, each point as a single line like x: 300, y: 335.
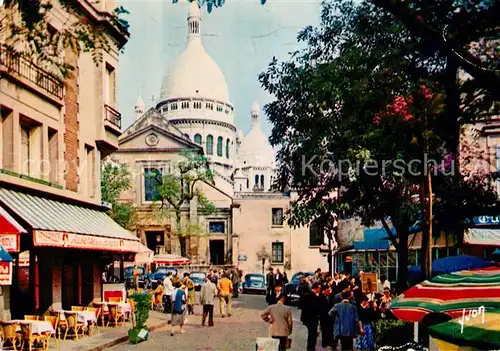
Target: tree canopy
x: 358, y: 114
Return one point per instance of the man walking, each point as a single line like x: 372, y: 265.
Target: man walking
x: 346, y: 320
x: 311, y: 314
x: 168, y: 290
x: 225, y: 287
x: 207, y: 298
x: 270, y: 286
x: 236, y: 282
x: 281, y: 320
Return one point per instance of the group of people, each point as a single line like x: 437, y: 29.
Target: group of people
x: 179, y: 297
x: 275, y: 281
x: 342, y: 310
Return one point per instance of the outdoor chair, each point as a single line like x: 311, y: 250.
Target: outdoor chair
x: 11, y: 340
x: 35, y: 341
x: 115, y: 317
x: 31, y: 318
x: 72, y: 324
x: 93, y: 324
x: 53, y: 321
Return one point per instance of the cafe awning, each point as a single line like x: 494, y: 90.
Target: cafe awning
x: 59, y: 224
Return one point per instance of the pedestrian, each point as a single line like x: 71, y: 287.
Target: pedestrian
x: 346, y: 319
x: 207, y: 299
x: 178, y: 307
x: 383, y: 283
x: 225, y: 287
x: 191, y: 298
x: 270, y: 286
x: 213, y: 277
x: 168, y: 290
x: 311, y: 314
x: 278, y: 279
x: 325, y: 322
x: 285, y: 278
x: 236, y: 282
x: 367, y: 315
x: 280, y: 319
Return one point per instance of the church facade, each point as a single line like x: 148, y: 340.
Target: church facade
x: 195, y: 112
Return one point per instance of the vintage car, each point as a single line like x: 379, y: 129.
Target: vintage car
x: 254, y: 283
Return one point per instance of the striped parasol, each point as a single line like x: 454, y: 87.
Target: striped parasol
x: 450, y: 294
x: 481, y: 333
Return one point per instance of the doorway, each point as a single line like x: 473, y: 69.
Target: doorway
x: 217, y: 252
x: 154, y: 240
x: 70, y: 286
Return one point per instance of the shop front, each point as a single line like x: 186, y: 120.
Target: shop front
x: 65, y: 247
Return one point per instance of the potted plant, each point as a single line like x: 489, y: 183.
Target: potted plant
x: 139, y: 331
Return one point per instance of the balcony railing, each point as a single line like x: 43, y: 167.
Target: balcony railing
x: 32, y: 73
x: 113, y: 116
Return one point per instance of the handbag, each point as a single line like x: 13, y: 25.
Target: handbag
x: 288, y: 343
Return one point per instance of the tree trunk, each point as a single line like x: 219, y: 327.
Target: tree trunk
x: 424, y: 262
x: 182, y: 239
x: 402, y: 251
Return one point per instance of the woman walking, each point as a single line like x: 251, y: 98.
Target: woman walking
x: 178, y: 307
x: 367, y: 315
x: 191, y: 297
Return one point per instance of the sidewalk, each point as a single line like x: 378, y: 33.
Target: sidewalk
x: 108, y: 336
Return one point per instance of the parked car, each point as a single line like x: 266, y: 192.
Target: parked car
x: 292, y: 289
x: 129, y: 277
x: 198, y: 279
x: 254, y: 283
x: 161, y: 273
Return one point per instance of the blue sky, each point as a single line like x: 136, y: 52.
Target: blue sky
x: 241, y: 37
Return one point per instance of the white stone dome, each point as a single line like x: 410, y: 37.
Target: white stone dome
x: 195, y: 73
x: 255, y: 150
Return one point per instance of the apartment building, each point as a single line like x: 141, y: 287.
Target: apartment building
x: 54, y: 133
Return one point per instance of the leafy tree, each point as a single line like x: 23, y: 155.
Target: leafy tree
x: 33, y: 37
x: 364, y: 92
x: 177, y: 189
x: 115, y: 178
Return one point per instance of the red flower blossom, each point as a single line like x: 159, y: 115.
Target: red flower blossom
x: 377, y: 119
x: 425, y: 91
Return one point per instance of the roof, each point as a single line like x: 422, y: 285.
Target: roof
x: 195, y: 73
x: 45, y: 214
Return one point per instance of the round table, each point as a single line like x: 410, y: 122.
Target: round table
x: 37, y: 327
x: 81, y: 316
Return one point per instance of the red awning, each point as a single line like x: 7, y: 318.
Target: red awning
x: 9, y: 225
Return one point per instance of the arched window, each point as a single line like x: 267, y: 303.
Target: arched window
x: 256, y: 180
x: 219, y: 146
x: 270, y: 182
x: 227, y: 148
x: 187, y: 136
x: 315, y: 234
x: 197, y: 139
x: 248, y: 183
x: 261, y: 180
x: 240, y: 187
x: 210, y: 145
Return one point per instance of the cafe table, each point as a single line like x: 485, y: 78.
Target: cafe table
x: 123, y: 307
x: 37, y: 327
x: 81, y: 316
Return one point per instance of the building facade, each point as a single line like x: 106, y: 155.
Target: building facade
x: 54, y: 134
x: 196, y: 107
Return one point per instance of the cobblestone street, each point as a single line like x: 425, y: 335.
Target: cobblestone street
x: 232, y: 334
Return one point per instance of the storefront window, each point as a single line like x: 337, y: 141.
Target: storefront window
x: 412, y: 258
x: 391, y: 263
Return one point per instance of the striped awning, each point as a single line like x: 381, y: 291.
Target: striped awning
x: 58, y: 224
x: 170, y: 260
x: 450, y: 294
x: 482, y: 331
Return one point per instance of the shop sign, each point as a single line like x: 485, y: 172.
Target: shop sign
x: 5, y: 273
x: 487, y: 220
x: 9, y: 242
x: 82, y: 241
x: 242, y: 257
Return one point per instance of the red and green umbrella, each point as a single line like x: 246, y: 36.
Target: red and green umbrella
x: 478, y: 333
x: 450, y: 294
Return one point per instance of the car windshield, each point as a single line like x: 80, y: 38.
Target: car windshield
x: 130, y: 270
x: 256, y: 278
x: 197, y: 275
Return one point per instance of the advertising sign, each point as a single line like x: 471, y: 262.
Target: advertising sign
x: 5, y: 273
